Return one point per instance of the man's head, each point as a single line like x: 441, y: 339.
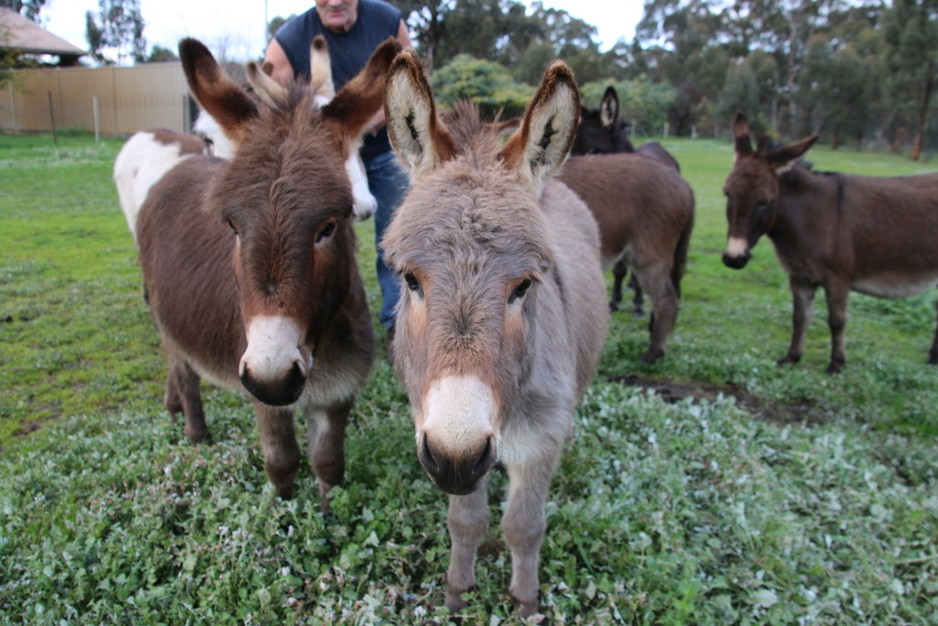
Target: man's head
x: 337, y: 15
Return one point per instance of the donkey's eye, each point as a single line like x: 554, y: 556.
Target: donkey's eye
x: 232, y: 226
x: 326, y: 232
x: 412, y: 283
x: 520, y: 290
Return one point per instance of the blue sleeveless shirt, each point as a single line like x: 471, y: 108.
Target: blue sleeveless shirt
x: 348, y: 52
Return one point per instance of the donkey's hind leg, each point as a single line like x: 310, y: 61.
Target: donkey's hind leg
x: 325, y: 435
x: 655, y: 279
x: 183, y: 396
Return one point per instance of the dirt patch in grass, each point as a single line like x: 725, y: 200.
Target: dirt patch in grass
x: 771, y: 411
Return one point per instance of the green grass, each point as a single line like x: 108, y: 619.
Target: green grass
x: 779, y: 495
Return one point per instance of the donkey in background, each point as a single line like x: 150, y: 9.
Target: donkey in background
x: 601, y: 131
x: 249, y: 265
x: 502, y: 317
x: 837, y: 231
x: 645, y: 212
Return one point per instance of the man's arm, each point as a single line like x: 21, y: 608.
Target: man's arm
x: 282, y: 69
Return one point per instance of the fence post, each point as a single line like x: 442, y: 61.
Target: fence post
x: 55, y: 137
x: 96, y: 111
x: 665, y: 130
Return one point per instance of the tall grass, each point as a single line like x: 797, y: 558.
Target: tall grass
x: 740, y: 493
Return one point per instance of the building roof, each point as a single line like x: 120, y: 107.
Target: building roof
x: 19, y: 33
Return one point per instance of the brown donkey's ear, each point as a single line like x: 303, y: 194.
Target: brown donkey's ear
x: 420, y: 139
x: 741, y: 135
x: 782, y: 158
x: 541, y: 144
x: 358, y: 101
x: 223, y: 98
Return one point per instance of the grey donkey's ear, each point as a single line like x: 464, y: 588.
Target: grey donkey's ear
x: 269, y: 91
x: 420, y: 139
x: 542, y: 143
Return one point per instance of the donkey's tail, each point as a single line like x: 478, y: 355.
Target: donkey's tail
x: 680, y: 252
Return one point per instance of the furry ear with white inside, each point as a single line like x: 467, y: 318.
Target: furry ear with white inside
x: 216, y: 92
x: 542, y: 143
x: 420, y: 140
x: 743, y: 144
x: 609, y: 107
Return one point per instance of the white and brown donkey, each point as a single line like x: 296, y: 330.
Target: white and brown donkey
x: 503, y: 316
x: 249, y: 264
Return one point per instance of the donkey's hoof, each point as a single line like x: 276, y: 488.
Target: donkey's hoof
x: 198, y: 435
x: 454, y: 601
x: 788, y: 359
x: 836, y: 366
x: 651, y: 356
x: 525, y: 608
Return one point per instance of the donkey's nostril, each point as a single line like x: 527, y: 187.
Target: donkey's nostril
x: 297, y: 375
x: 426, y: 457
x: 485, y: 460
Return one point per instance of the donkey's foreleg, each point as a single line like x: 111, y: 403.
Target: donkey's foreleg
x: 278, y: 441
x: 638, y: 298
x: 467, y: 520
x: 619, y: 271
x: 523, y: 524
x: 802, y: 307
x: 325, y: 436
x: 933, y: 353
x: 183, y: 396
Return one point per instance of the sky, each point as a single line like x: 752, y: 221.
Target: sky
x: 238, y: 25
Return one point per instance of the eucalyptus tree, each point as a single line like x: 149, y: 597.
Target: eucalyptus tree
x: 911, y: 29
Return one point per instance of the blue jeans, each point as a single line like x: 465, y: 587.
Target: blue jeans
x: 388, y: 184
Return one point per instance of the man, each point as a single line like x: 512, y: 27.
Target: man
x: 353, y: 29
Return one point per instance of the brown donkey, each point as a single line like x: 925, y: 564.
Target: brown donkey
x: 249, y: 264
x: 837, y: 231
x: 601, y: 131
x: 502, y: 318
x: 645, y: 212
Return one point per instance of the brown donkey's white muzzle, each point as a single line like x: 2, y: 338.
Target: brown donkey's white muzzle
x: 275, y: 366
x: 737, y: 253
x: 457, y: 443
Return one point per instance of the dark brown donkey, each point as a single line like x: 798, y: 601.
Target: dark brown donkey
x: 502, y: 316
x: 645, y: 211
x: 602, y: 132
x: 249, y: 264
x: 840, y: 232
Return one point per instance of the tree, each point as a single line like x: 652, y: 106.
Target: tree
x: 117, y: 27
x: 427, y: 21
x: 912, y: 31
x: 488, y: 84
x: 27, y: 8
x: 159, y: 54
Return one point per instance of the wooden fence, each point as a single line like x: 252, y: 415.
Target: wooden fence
x: 108, y: 100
